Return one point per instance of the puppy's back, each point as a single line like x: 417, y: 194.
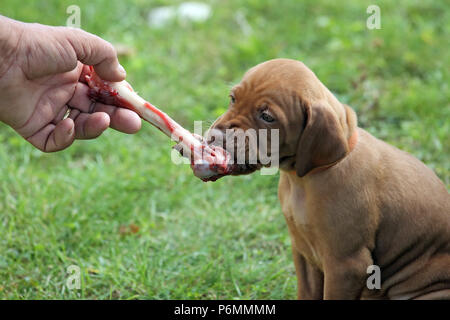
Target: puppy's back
x: 413, y: 238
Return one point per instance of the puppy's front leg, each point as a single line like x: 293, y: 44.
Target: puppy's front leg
x: 345, y: 278
x: 309, y: 278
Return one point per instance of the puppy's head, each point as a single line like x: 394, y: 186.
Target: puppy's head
x: 284, y: 94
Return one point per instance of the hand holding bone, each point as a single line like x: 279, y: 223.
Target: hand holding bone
x: 40, y: 84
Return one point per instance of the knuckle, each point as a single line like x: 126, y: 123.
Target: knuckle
x: 110, y: 50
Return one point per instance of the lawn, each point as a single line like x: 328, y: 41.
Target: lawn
x: 140, y: 227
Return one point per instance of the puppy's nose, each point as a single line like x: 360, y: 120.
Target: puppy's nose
x: 227, y: 125
x: 219, y: 126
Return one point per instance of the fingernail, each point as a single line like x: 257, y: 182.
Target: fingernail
x: 122, y: 69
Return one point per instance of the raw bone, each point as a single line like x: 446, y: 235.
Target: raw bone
x: 208, y: 162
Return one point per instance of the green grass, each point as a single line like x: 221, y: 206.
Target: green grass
x: 218, y: 240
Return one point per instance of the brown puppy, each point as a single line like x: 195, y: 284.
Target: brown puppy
x: 349, y: 199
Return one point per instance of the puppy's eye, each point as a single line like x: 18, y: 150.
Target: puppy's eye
x: 267, y: 117
x: 232, y: 98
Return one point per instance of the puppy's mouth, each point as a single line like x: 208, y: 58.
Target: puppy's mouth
x: 287, y: 162
x: 246, y: 168
x: 239, y: 168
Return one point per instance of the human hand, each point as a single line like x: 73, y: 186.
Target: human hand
x: 41, y: 83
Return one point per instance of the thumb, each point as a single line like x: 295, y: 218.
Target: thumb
x: 96, y: 52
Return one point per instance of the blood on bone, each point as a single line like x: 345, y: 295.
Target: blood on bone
x: 192, y: 155
x: 216, y: 158
x: 160, y: 114
x: 124, y: 104
x: 129, y: 87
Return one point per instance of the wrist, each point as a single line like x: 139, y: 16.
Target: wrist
x: 10, y: 31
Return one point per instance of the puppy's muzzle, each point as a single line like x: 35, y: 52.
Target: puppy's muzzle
x: 237, y: 143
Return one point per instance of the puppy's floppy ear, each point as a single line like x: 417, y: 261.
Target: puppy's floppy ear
x: 322, y: 142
